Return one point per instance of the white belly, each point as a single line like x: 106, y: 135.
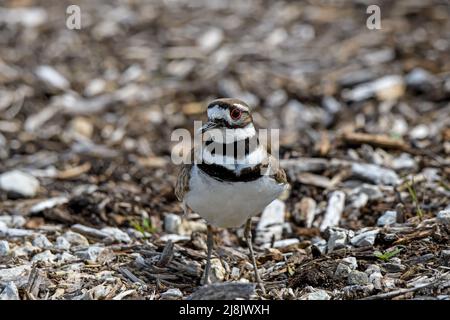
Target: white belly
x: 229, y: 204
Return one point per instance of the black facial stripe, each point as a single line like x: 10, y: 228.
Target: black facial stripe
x: 221, y: 173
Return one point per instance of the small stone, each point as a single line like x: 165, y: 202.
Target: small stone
x: 235, y: 273
x: 62, y: 243
x: 419, y: 79
x: 42, y: 242
x: 388, y: 218
x: 47, y: 204
x: 445, y: 257
x: 351, y: 262
x: 376, y: 278
x: 117, y: 234
x: 66, y: 257
x: 46, y: 257
x: 338, y: 238
x: 4, y: 248
x: 15, y: 221
x: 10, y: 292
x: 375, y: 174
x: 218, y: 272
x: 444, y: 216
x: 334, y: 210
x: 356, y: 277
x: 404, y: 161
x: 172, y: 223
x: 19, y: 183
x: 81, y: 128
x: 174, y: 238
x: 172, y: 294
x: 95, y: 254
x: 285, y: 243
x: 52, y: 77
x: 316, y: 295
x: 342, y: 271
x: 75, y: 238
x: 25, y: 250
x: 319, y: 244
x: 372, y: 268
x: 364, y: 238
x: 211, y: 39
x: 419, y: 132
x: 391, y: 267
x: 19, y: 275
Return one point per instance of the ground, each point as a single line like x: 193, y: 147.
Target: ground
x: 87, y: 204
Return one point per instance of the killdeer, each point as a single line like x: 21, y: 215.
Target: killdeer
x: 225, y: 184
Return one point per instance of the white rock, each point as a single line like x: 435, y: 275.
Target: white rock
x: 42, y: 242
x: 316, y: 295
x: 404, y: 161
x: 75, y: 238
x: 24, y: 250
x: 285, y: 243
x: 117, y: 234
x: 388, y: 218
x: 172, y: 223
x: 271, y: 223
x: 334, y: 210
x: 30, y: 17
x: 66, y: 257
x: 62, y: 243
x: 90, y: 254
x: 389, y: 87
x: 174, y: 238
x: 351, y: 262
x: 218, y: 272
x: 4, y: 248
x: 172, y: 294
x: 444, y: 216
x: 342, y: 271
x: 419, y: 78
x: 46, y: 257
x: 10, y: 292
x: 15, y: 221
x: 375, y: 174
x: 364, y: 238
x: 338, y: 238
x: 211, y: 39
x: 52, y: 77
x: 356, y: 277
x: 19, y: 182
x: 15, y: 233
x: 19, y: 275
x: 95, y: 87
x: 47, y: 204
x: 419, y: 132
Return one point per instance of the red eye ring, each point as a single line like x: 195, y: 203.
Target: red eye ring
x: 235, y: 113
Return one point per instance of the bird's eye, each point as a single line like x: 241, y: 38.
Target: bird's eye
x: 235, y: 113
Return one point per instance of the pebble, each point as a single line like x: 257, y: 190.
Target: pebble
x: 404, y: 161
x: 10, y: 292
x: 15, y: 221
x: 218, y: 272
x: 316, y: 295
x: 342, y: 271
x: 375, y: 174
x: 364, y: 238
x: 338, y: 238
x: 4, y: 248
x: 271, y: 223
x: 351, y: 262
x: 444, y: 216
x: 174, y: 238
x: 388, y: 218
x: 15, y: 233
x: 285, y: 243
x: 94, y: 254
x: 390, y: 87
x: 372, y: 191
x: 392, y: 267
x: 25, y: 250
x: 172, y: 294
x: 66, y: 257
x: 307, y: 211
x: 20, y: 183
x: 42, y: 242
x: 117, y: 234
x: 319, y: 244
x: 419, y: 78
x: 46, y: 257
x: 75, y: 238
x: 172, y: 223
x: 211, y: 39
x: 19, y: 275
x: 419, y: 132
x: 334, y: 210
x: 356, y: 277
x: 52, y: 77
x: 47, y: 204
x: 62, y: 243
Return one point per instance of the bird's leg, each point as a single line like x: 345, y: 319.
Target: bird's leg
x: 248, y: 238
x: 210, y: 244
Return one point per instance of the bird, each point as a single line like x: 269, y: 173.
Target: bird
x: 231, y: 177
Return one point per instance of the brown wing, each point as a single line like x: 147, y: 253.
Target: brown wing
x: 182, y: 185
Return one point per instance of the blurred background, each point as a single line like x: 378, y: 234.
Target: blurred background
x: 86, y: 115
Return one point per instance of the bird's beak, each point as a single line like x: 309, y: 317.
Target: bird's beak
x: 208, y: 126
